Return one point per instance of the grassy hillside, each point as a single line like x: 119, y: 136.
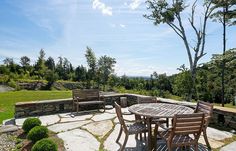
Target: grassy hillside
x: 8, y: 99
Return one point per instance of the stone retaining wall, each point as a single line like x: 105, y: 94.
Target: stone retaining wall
x: 25, y: 109
x: 35, y: 108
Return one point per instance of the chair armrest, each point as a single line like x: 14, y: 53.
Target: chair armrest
x: 76, y: 99
x: 101, y: 97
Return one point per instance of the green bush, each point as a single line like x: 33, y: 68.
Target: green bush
x: 37, y: 133
x: 45, y: 145
x: 30, y: 123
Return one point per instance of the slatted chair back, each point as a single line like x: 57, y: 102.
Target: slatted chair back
x: 120, y: 117
x: 206, y: 108
x: 142, y: 100
x: 86, y: 94
x: 185, y: 124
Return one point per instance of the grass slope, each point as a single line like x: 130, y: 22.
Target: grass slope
x: 8, y: 99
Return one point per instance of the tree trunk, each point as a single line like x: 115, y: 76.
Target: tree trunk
x: 193, y: 82
x: 223, y: 60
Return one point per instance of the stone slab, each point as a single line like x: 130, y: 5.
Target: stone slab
x: 8, y: 122
x: 217, y: 134
x: 112, y: 111
x: 8, y: 128
x: 132, y: 144
x: 62, y: 127
x: 229, y: 147
x: 20, y: 121
x: 49, y: 119
x: 69, y: 118
x: 100, y: 128
x: 213, y: 143
x: 103, y: 116
x: 79, y: 140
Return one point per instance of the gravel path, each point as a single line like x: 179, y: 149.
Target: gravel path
x: 6, y: 143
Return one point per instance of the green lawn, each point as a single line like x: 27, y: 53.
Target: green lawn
x: 8, y: 99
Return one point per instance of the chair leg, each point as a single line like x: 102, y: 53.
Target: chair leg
x: 205, y: 138
x: 77, y: 108
x: 145, y: 136
x: 155, y: 136
x: 125, y: 141
x: 195, y: 147
x: 169, y: 146
x: 141, y: 136
x: 120, y: 132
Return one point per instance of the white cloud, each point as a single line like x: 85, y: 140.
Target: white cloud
x: 122, y: 26
x: 135, y: 4
x: 106, y: 10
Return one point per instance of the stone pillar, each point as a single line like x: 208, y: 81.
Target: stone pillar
x: 123, y: 101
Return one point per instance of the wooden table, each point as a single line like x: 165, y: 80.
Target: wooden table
x: 157, y: 110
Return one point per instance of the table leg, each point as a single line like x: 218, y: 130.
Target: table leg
x: 150, y: 146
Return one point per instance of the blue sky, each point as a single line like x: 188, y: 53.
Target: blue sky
x: 115, y: 28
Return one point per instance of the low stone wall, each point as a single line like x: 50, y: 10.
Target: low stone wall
x: 224, y: 118
x: 35, y: 108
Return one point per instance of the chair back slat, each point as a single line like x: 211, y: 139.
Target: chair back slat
x: 85, y: 94
x: 206, y: 108
x: 142, y: 100
x: 185, y: 124
x: 120, y: 117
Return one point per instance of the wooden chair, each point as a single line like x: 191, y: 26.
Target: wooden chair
x: 207, y: 109
x: 83, y: 97
x: 183, y: 126
x: 136, y: 128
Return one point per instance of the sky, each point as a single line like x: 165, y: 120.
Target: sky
x: 115, y: 28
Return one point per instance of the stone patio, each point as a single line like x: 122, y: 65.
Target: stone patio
x: 92, y: 131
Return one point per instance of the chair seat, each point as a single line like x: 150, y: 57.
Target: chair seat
x: 136, y: 128
x: 178, y: 139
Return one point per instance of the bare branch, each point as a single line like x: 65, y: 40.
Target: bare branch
x: 176, y: 29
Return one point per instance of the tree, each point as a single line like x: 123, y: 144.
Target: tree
x: 92, y: 64
x: 50, y: 63
x: 105, y: 68
x: 40, y: 68
x: 171, y: 13
x: 227, y: 17
x: 80, y: 73
x: 25, y: 61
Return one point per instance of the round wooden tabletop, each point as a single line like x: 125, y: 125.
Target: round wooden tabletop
x: 159, y: 110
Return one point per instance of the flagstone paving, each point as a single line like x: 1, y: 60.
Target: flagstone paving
x: 92, y: 131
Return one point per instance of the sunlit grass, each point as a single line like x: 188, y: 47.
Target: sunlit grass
x: 8, y: 99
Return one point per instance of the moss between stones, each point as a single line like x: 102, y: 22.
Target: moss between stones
x: 226, y: 142
x: 101, y: 147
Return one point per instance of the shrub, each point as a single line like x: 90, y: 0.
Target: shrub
x: 45, y: 145
x: 30, y: 123
x: 37, y: 133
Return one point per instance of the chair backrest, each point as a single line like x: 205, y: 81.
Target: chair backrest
x: 120, y: 117
x: 142, y: 100
x: 206, y: 108
x: 185, y: 124
x: 85, y: 94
